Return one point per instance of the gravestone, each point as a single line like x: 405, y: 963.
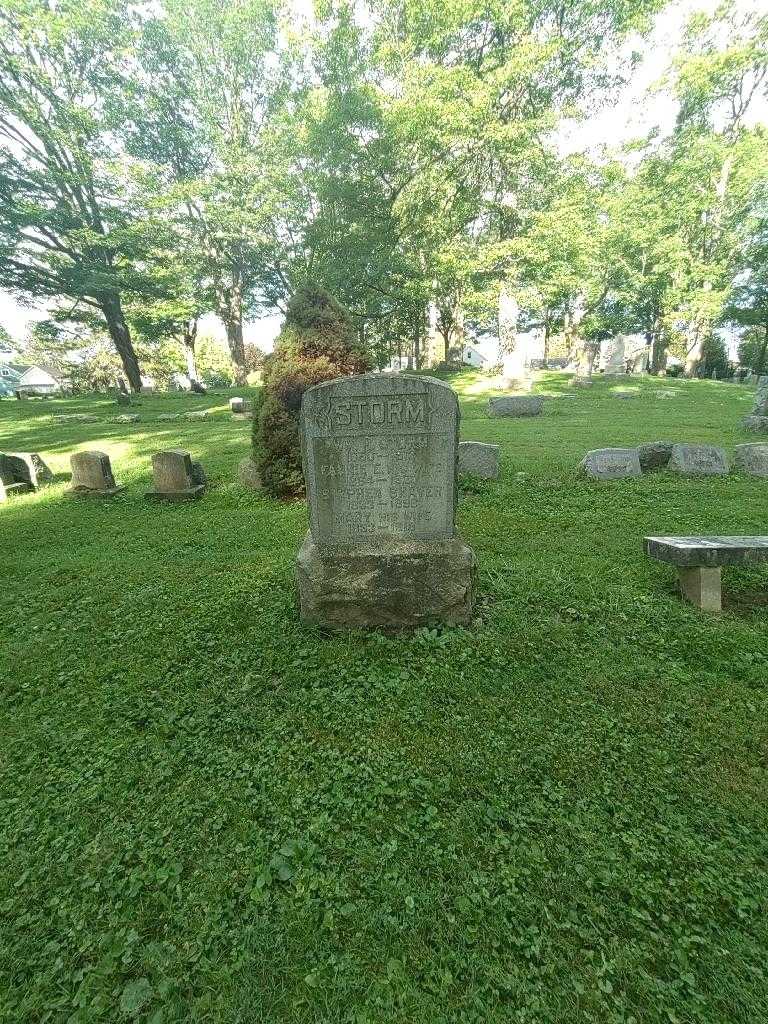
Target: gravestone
x: 655, y: 454
x: 761, y: 397
x: 175, y: 476
x: 127, y: 418
x: 201, y: 414
x: 516, y: 405
x: 698, y: 460
x: 28, y: 468
x: 122, y: 398
x: 478, y: 459
x: 379, y: 455
x: 581, y: 382
x: 13, y: 479
x: 148, y: 390
x: 752, y: 458
x: 92, y: 475
x: 615, y: 359
x: 237, y: 405
x: 611, y: 464
x: 248, y: 474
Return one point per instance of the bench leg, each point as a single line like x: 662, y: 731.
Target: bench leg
x: 701, y: 586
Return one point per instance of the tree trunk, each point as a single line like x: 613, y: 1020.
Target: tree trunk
x: 112, y: 309
x: 760, y: 365
x: 190, y: 337
x: 417, y: 341
x: 695, y: 350
x: 234, y: 329
x: 545, y: 353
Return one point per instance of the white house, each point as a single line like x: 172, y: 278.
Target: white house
x: 34, y: 380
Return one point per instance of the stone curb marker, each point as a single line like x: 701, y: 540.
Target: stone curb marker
x: 379, y: 455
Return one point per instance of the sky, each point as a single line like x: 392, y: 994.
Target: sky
x: 627, y: 116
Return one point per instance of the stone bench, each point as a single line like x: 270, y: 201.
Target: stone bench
x: 699, y: 562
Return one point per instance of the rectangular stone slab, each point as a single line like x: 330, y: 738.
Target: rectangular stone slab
x: 707, y: 551
x: 92, y: 471
x: 379, y: 457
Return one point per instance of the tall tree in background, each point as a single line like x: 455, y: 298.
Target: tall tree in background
x: 212, y: 75
x: 67, y: 223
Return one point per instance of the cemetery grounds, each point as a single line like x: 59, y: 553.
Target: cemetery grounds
x: 212, y: 813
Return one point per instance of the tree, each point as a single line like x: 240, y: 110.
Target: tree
x: 67, y: 221
x: 317, y: 343
x: 212, y: 77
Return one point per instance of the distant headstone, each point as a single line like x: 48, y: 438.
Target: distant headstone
x: 478, y: 459
x: 122, y: 398
x: 615, y: 360
x: 197, y: 388
x: 147, y: 389
x: 174, y: 476
x: 201, y: 414
x: 516, y: 405
x: 624, y: 394
x: 752, y: 458
x: 761, y: 397
x: 13, y: 479
x: 581, y: 382
x: 132, y: 418
x: 248, y: 474
x: 168, y: 417
x: 655, y: 454
x: 30, y: 468
x: 237, y: 405
x: 611, y: 464
x: 698, y: 460
x: 379, y: 456
x: 92, y: 475
x: 756, y: 424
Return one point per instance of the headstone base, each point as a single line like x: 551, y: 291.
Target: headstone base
x: 411, y: 585
x: 93, y: 492
x: 188, y: 494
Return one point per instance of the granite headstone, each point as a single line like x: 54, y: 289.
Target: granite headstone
x: 379, y: 455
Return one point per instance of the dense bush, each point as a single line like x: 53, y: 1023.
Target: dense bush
x: 318, y: 342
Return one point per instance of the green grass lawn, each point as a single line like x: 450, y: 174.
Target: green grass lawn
x: 211, y: 813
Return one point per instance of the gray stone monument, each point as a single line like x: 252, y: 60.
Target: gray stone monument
x: 655, y: 454
x: 698, y: 460
x: 237, y: 405
x: 26, y: 468
x: 758, y: 420
x: 752, y: 458
x: 615, y: 362
x: 379, y: 456
x: 92, y: 475
x: 479, y: 459
x: 611, y: 464
x: 175, y: 476
x: 516, y: 405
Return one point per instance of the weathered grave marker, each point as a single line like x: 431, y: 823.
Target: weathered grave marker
x: 92, y: 475
x: 752, y: 458
x: 379, y: 457
x: 516, y: 405
x: 176, y: 476
x: 655, y: 454
x: 479, y: 459
x: 611, y: 464
x: 698, y: 460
